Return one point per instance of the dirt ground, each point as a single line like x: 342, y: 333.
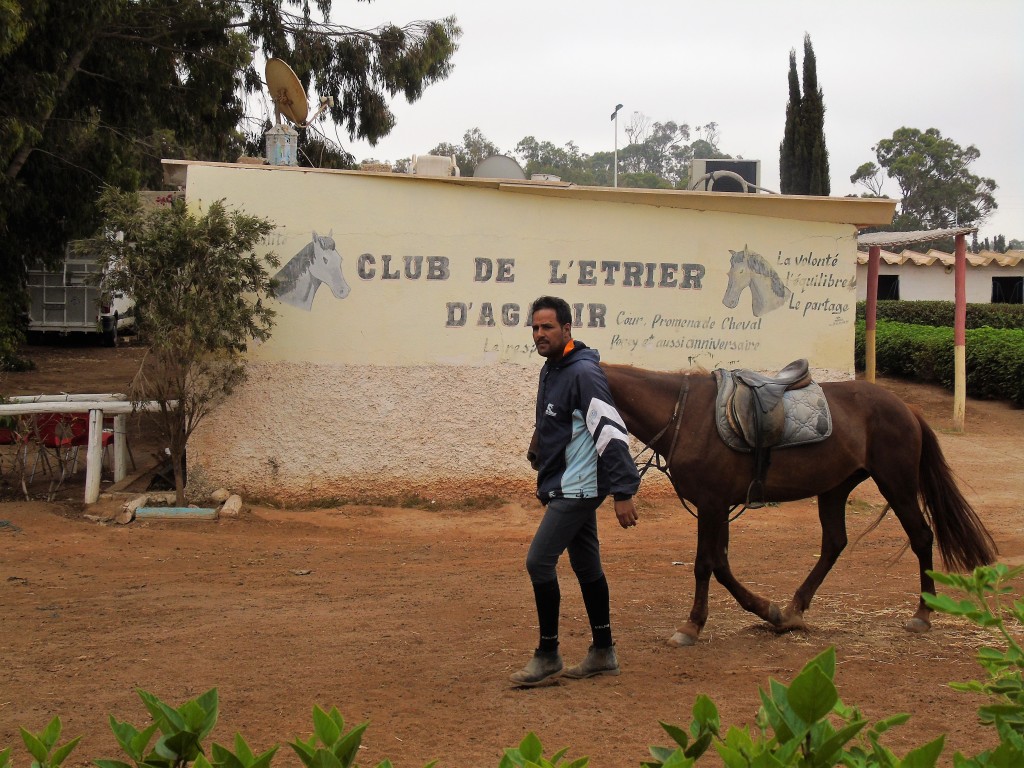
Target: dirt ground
x: 413, y: 619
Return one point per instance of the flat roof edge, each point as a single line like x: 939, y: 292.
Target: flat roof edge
x: 856, y: 211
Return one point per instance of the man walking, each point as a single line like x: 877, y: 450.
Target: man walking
x: 581, y: 455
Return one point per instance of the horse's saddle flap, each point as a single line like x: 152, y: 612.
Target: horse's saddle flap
x: 760, y: 422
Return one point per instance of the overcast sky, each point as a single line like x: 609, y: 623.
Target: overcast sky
x: 555, y: 69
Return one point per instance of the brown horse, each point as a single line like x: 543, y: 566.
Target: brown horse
x: 874, y: 434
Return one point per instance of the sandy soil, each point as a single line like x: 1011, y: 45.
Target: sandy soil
x: 413, y: 619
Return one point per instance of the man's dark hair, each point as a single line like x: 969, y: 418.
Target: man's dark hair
x: 563, y: 312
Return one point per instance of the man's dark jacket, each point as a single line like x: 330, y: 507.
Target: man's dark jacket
x: 581, y: 441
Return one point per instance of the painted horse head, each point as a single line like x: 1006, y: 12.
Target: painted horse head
x: 318, y: 262
x: 750, y: 270
x: 326, y: 265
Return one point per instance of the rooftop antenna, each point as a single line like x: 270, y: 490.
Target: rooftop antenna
x: 289, y: 102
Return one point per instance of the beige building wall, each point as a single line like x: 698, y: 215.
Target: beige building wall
x: 402, y: 365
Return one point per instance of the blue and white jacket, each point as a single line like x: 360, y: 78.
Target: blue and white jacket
x: 581, y: 441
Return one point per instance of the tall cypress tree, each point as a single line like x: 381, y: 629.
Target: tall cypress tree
x: 812, y: 118
x: 803, y: 156
x: 788, y: 171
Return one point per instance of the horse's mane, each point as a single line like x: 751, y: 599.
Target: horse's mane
x: 696, y: 370
x: 288, y: 276
x: 757, y: 263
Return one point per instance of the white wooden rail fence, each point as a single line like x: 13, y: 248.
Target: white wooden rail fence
x: 98, y: 406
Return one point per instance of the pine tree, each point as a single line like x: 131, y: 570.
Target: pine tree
x: 803, y: 156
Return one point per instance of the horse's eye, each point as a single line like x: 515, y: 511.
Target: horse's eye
x: 324, y: 259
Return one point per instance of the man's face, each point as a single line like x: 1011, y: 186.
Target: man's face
x: 549, y: 337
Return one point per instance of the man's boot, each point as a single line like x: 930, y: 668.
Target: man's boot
x: 599, y: 661
x: 542, y: 670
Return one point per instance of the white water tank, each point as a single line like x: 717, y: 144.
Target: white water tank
x: 434, y: 165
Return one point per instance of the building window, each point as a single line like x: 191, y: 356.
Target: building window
x: 1008, y: 290
x: 888, y: 287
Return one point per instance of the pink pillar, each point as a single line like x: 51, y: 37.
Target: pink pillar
x: 960, y: 335
x: 870, y: 312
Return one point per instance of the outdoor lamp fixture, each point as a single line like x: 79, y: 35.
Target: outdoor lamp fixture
x: 615, y: 172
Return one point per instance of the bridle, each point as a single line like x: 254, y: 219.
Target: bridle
x: 663, y: 463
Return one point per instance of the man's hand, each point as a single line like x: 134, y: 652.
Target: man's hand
x: 626, y: 512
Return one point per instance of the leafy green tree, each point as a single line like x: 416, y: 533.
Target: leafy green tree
x: 658, y: 156
x: 868, y: 175
x: 803, y: 155
x: 199, y: 299
x: 566, y: 162
x: 937, y: 189
x: 98, y: 92
x: 474, y: 149
x: 662, y: 152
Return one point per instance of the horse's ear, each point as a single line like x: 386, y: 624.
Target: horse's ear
x: 315, y: 234
x: 331, y: 233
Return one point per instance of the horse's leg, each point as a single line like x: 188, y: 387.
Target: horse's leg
x: 832, y: 516
x: 900, y: 490
x: 709, y: 523
x: 713, y: 558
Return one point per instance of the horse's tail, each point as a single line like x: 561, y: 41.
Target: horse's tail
x: 964, y: 542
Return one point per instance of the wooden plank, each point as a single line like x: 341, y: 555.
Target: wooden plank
x: 120, y: 485
x: 109, y: 407
x: 62, y: 398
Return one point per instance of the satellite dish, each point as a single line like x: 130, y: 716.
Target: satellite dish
x: 499, y: 167
x: 287, y: 92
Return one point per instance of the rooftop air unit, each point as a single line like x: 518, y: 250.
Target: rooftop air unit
x: 725, y: 175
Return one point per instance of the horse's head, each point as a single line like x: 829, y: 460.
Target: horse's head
x: 326, y: 265
x: 739, y: 278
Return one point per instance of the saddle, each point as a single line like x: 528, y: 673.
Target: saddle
x: 755, y: 408
x: 756, y: 413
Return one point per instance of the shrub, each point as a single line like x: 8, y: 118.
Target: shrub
x: 994, y: 357
x: 941, y: 313
x: 989, y: 604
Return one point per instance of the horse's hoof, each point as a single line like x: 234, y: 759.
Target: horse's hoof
x: 917, y: 625
x: 681, y: 640
x: 791, y: 623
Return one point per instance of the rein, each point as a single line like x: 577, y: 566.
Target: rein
x: 663, y: 463
x: 656, y: 460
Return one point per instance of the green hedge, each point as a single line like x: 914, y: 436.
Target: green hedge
x: 940, y: 313
x: 994, y: 357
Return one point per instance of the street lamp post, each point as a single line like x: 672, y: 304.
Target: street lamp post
x: 615, y: 171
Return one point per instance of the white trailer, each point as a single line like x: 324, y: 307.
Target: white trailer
x: 72, y: 299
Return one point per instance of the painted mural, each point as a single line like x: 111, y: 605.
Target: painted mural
x: 316, y: 264
x: 438, y: 273
x: 749, y: 270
